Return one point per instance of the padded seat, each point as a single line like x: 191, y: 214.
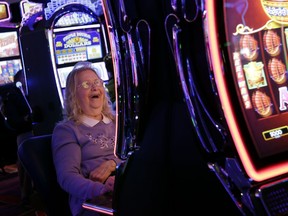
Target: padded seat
x: 36, y: 157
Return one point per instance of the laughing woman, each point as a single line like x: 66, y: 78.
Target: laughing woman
x: 83, y: 143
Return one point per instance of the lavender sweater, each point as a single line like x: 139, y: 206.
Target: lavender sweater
x: 77, y: 150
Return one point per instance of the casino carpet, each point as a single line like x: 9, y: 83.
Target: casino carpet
x: 10, y: 195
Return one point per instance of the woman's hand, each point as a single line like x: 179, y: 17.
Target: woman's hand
x: 109, y: 185
x: 102, y: 172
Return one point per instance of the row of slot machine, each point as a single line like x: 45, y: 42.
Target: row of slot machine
x: 237, y: 97
x: 45, y: 43
x: 247, y: 74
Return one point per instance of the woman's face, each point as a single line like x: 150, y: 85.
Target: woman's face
x: 90, y: 92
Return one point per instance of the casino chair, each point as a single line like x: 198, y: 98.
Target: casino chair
x: 36, y: 157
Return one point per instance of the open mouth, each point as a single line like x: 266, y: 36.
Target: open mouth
x: 96, y: 96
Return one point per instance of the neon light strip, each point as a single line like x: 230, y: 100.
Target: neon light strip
x: 113, y: 46
x: 99, y: 209
x: 257, y: 175
x: 76, y: 28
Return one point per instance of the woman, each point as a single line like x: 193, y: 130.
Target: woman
x: 83, y: 144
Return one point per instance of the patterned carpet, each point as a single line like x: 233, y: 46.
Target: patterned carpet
x: 10, y: 195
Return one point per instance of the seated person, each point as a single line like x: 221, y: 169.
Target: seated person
x: 17, y: 116
x: 83, y: 143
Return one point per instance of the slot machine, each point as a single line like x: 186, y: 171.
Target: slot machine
x: 55, y: 38
x: 10, y: 62
x: 12, y: 85
x: 244, y: 132
x: 74, y: 44
x: 10, y: 53
x: 158, y: 147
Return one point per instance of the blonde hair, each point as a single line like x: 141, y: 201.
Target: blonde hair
x: 71, y: 106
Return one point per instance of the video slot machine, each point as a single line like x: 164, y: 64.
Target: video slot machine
x: 247, y: 47
x: 10, y: 55
x: 54, y: 39
x: 13, y: 102
x: 72, y: 44
x: 10, y: 59
x: 10, y: 51
x: 237, y: 98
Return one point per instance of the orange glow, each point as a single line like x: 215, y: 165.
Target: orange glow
x: 256, y: 175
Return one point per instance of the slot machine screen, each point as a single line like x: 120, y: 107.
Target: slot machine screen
x: 8, y: 69
x: 257, y: 50
x: 29, y: 8
x: 9, y: 46
x: 72, y: 45
x: 99, y: 66
x: 4, y: 12
x: 10, y: 60
x: 77, y: 45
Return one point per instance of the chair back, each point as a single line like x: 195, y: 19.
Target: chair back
x: 35, y: 154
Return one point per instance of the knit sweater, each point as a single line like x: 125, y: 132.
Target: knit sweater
x: 77, y: 150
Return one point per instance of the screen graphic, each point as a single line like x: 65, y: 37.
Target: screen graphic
x: 9, y: 46
x: 77, y: 45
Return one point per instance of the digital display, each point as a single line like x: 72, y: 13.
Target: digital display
x: 257, y: 49
x: 29, y: 8
x: 8, y: 69
x: 9, y: 46
x: 77, y: 45
x: 99, y: 66
x: 4, y: 11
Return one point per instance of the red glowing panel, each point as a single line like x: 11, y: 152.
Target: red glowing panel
x: 256, y: 48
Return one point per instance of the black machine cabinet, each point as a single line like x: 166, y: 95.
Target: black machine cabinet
x: 42, y: 90
x: 154, y: 130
